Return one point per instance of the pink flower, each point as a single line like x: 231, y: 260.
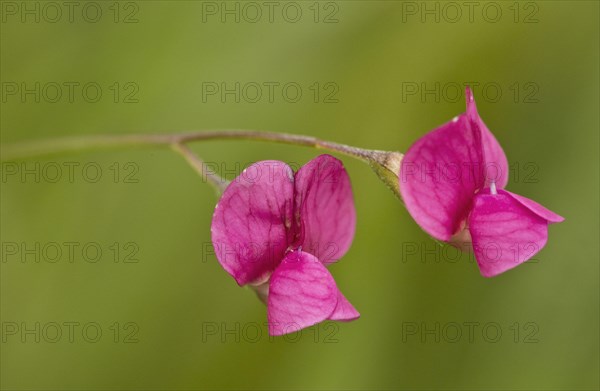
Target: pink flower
x: 452, y: 181
x: 278, y: 229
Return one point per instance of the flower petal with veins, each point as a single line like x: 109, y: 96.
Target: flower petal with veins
x: 439, y: 175
x: 326, y: 217
x: 302, y: 293
x: 537, y: 208
x: 505, y: 233
x: 250, y: 226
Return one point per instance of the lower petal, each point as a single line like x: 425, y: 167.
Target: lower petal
x: 537, y: 208
x: 505, y: 233
x: 344, y: 310
x: 302, y: 293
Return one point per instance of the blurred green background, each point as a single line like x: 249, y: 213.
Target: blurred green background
x: 173, y: 319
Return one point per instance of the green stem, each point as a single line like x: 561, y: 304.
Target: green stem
x: 218, y: 182
x: 38, y: 148
x: 386, y: 164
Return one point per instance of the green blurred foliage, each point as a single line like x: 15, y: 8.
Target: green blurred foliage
x: 177, y: 293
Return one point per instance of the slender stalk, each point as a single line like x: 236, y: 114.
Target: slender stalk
x: 31, y: 149
x: 386, y: 164
x: 218, y: 182
x: 40, y: 148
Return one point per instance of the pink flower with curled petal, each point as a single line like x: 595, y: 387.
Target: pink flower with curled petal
x: 452, y: 181
x: 276, y: 229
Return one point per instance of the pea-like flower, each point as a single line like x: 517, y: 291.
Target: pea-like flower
x: 452, y: 181
x: 276, y: 231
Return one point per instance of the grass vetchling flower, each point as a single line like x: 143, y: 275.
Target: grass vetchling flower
x: 277, y: 231
x: 452, y: 181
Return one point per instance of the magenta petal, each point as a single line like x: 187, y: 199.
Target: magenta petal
x: 344, y: 311
x: 325, y: 209
x: 496, y: 165
x: 302, y: 293
x: 439, y: 175
x: 537, y: 208
x: 504, y: 232
x: 251, y: 221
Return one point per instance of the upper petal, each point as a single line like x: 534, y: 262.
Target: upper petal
x: 495, y: 162
x: 250, y: 226
x: 302, y: 293
x: 505, y: 233
x: 439, y: 175
x: 324, y: 207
